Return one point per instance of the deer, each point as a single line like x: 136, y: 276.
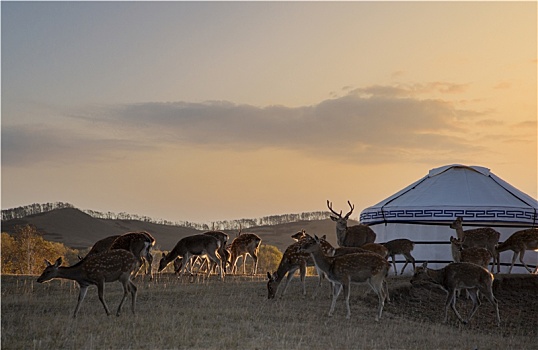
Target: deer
x: 349, y: 269
x: 367, y: 248
x: 476, y: 255
x: 457, y: 276
x: 293, y: 260
x: 519, y: 242
x: 242, y: 245
x: 191, y: 246
x: 108, y: 266
x: 484, y: 237
x: 138, y: 243
x: 354, y: 236
x: 223, y: 252
x: 101, y: 245
x: 299, y: 235
x: 401, y: 246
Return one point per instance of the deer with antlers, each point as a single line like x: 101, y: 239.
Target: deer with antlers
x: 349, y: 269
x: 401, y: 246
x: 484, y: 237
x: 457, y: 276
x: 292, y: 260
x: 242, y: 245
x: 108, y: 266
x: 203, y: 245
x: 519, y: 242
x: 354, y: 236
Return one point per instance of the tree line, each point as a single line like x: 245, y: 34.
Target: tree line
x: 36, y: 208
x: 24, y: 251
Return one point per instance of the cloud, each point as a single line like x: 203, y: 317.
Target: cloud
x: 373, y: 124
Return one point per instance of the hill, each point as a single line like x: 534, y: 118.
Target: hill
x: 79, y: 230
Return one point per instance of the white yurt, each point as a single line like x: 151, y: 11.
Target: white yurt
x: 424, y: 210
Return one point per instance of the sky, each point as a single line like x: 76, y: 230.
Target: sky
x: 207, y: 111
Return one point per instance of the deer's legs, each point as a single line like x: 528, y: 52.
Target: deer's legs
x: 81, y: 296
x: 451, y: 301
x: 255, y: 268
x: 337, y: 288
x: 521, y: 255
x: 394, y: 264
x: 213, y: 257
x: 302, y: 274
x: 489, y: 295
x: 287, y: 281
x: 514, y: 257
x: 472, y: 293
x: 408, y: 258
x: 101, y: 293
x: 126, y: 289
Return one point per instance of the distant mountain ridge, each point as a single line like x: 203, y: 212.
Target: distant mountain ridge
x: 80, y: 230
x: 40, y: 208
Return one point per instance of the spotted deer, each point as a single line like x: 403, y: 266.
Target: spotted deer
x: 102, y: 245
x: 191, y: 246
x: 138, y: 243
x: 292, y: 260
x: 108, y: 266
x: 401, y: 246
x: 457, y: 276
x: 242, y: 245
x: 476, y: 255
x: 519, y: 242
x: 484, y: 237
x: 354, y: 236
x: 349, y: 269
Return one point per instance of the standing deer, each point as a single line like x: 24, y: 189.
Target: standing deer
x: 401, y: 246
x: 349, y: 269
x: 292, y: 260
x: 191, y: 246
x: 223, y: 253
x: 484, y: 237
x: 108, y: 266
x: 138, y: 243
x: 243, y: 245
x: 519, y: 242
x: 476, y: 255
x: 457, y: 276
x: 354, y: 236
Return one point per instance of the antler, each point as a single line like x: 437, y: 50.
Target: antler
x: 351, y: 211
x: 330, y: 206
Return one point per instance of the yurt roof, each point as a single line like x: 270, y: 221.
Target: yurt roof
x: 471, y: 192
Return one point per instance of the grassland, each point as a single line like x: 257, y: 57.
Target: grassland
x: 236, y: 314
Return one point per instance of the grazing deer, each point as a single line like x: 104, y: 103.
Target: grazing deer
x: 223, y: 253
x: 476, y: 255
x: 484, y: 237
x: 138, y: 243
x: 519, y: 242
x: 108, y: 266
x: 191, y: 246
x: 457, y: 276
x: 401, y: 246
x: 292, y: 260
x: 354, y: 236
x: 349, y: 269
x: 243, y: 245
x: 102, y: 245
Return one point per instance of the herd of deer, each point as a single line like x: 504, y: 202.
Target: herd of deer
x: 358, y: 259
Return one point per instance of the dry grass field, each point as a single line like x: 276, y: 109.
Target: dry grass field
x: 236, y: 314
